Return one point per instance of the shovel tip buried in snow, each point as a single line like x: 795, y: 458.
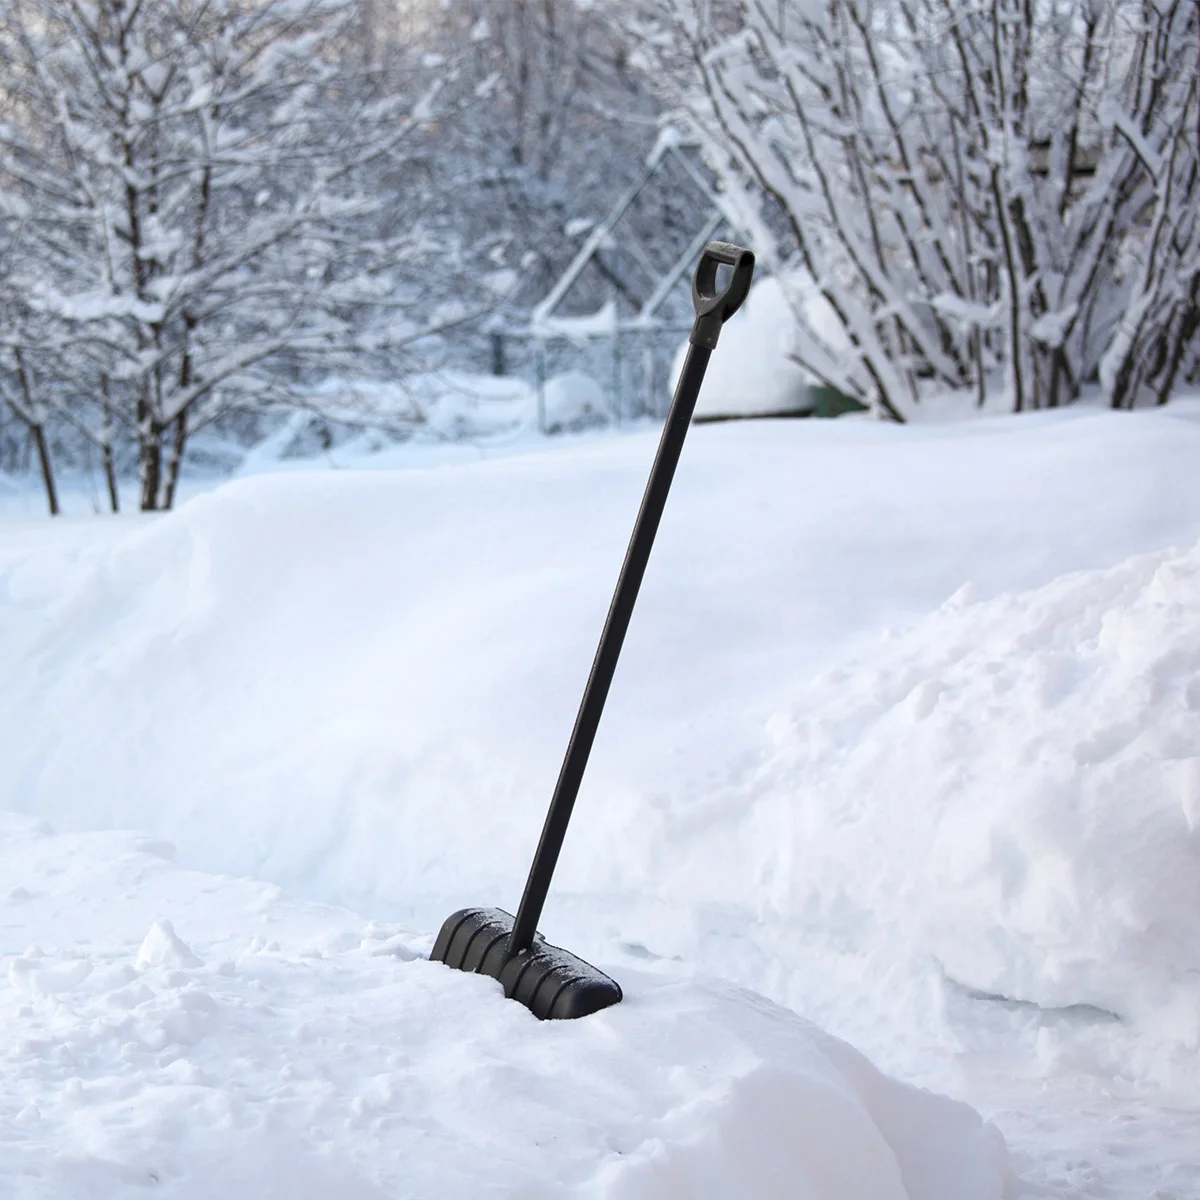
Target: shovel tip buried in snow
x: 552, y: 983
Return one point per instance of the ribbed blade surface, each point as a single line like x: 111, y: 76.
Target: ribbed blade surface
x: 552, y: 983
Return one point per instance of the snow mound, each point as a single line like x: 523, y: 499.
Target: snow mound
x: 573, y: 400
x: 445, y: 404
x: 162, y: 946
x: 359, y: 685
x: 458, y: 404
x: 751, y: 372
x: 330, y: 1059
x: 1017, y: 783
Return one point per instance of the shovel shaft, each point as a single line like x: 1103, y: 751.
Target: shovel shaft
x: 604, y: 664
x: 714, y: 306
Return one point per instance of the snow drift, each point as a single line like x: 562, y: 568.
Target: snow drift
x: 285, y: 1050
x: 1012, y: 786
x: 359, y: 685
x: 1021, y: 778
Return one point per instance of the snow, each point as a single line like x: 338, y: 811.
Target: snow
x: 1016, y: 780
x: 443, y: 405
x: 903, y: 739
x: 1059, y: 864
x: 1052, y: 328
x: 572, y: 400
x: 750, y: 372
x: 1113, y: 116
x: 670, y: 137
x: 316, y: 1055
x: 163, y: 946
x: 503, y: 281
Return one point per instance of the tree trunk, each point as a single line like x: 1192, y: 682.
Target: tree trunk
x: 175, y: 460
x: 106, y: 451
x: 110, y: 477
x: 150, y: 453
x: 37, y: 429
x: 39, y: 440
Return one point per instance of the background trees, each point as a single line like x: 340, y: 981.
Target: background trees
x: 194, y: 210
x: 208, y: 207
x: 985, y: 193
x: 552, y: 123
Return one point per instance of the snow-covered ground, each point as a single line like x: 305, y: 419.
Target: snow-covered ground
x: 291, y: 1051
x: 904, y: 738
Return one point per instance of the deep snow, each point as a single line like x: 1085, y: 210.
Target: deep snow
x: 297, y: 1052
x: 827, y: 772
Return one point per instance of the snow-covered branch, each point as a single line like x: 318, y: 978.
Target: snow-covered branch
x: 198, y: 190
x: 980, y: 190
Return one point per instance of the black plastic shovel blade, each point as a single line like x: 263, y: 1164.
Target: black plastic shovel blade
x: 552, y: 983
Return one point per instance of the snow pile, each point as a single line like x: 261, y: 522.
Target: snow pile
x: 1015, y: 783
x: 457, y: 404
x: 447, y: 404
x: 750, y: 372
x: 325, y: 679
x: 317, y: 1056
x: 573, y: 400
x: 162, y: 946
x: 361, y: 684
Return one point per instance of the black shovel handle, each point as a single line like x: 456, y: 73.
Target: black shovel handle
x: 713, y: 309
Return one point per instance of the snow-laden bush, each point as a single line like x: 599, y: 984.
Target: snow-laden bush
x: 988, y: 195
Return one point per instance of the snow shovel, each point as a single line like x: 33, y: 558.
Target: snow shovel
x: 551, y: 982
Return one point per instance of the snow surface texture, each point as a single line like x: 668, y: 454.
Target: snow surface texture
x: 1013, y: 785
x: 573, y: 400
x: 360, y: 686
x: 1033, y: 765
x: 313, y: 1056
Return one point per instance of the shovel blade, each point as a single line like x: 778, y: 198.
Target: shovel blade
x: 552, y: 983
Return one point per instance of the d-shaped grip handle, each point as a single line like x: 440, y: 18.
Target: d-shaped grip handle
x: 713, y: 307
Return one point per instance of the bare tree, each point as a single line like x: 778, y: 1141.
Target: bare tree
x: 552, y: 123
x: 195, y: 183
x: 18, y: 391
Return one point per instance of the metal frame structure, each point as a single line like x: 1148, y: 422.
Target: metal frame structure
x: 545, y: 325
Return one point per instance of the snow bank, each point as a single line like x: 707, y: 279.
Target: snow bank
x: 448, y: 404
x: 286, y: 1050
x: 324, y: 678
x: 360, y: 686
x: 1017, y: 782
x: 573, y: 400
x: 750, y: 372
x: 1010, y: 788
x: 453, y: 406
x: 457, y: 404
